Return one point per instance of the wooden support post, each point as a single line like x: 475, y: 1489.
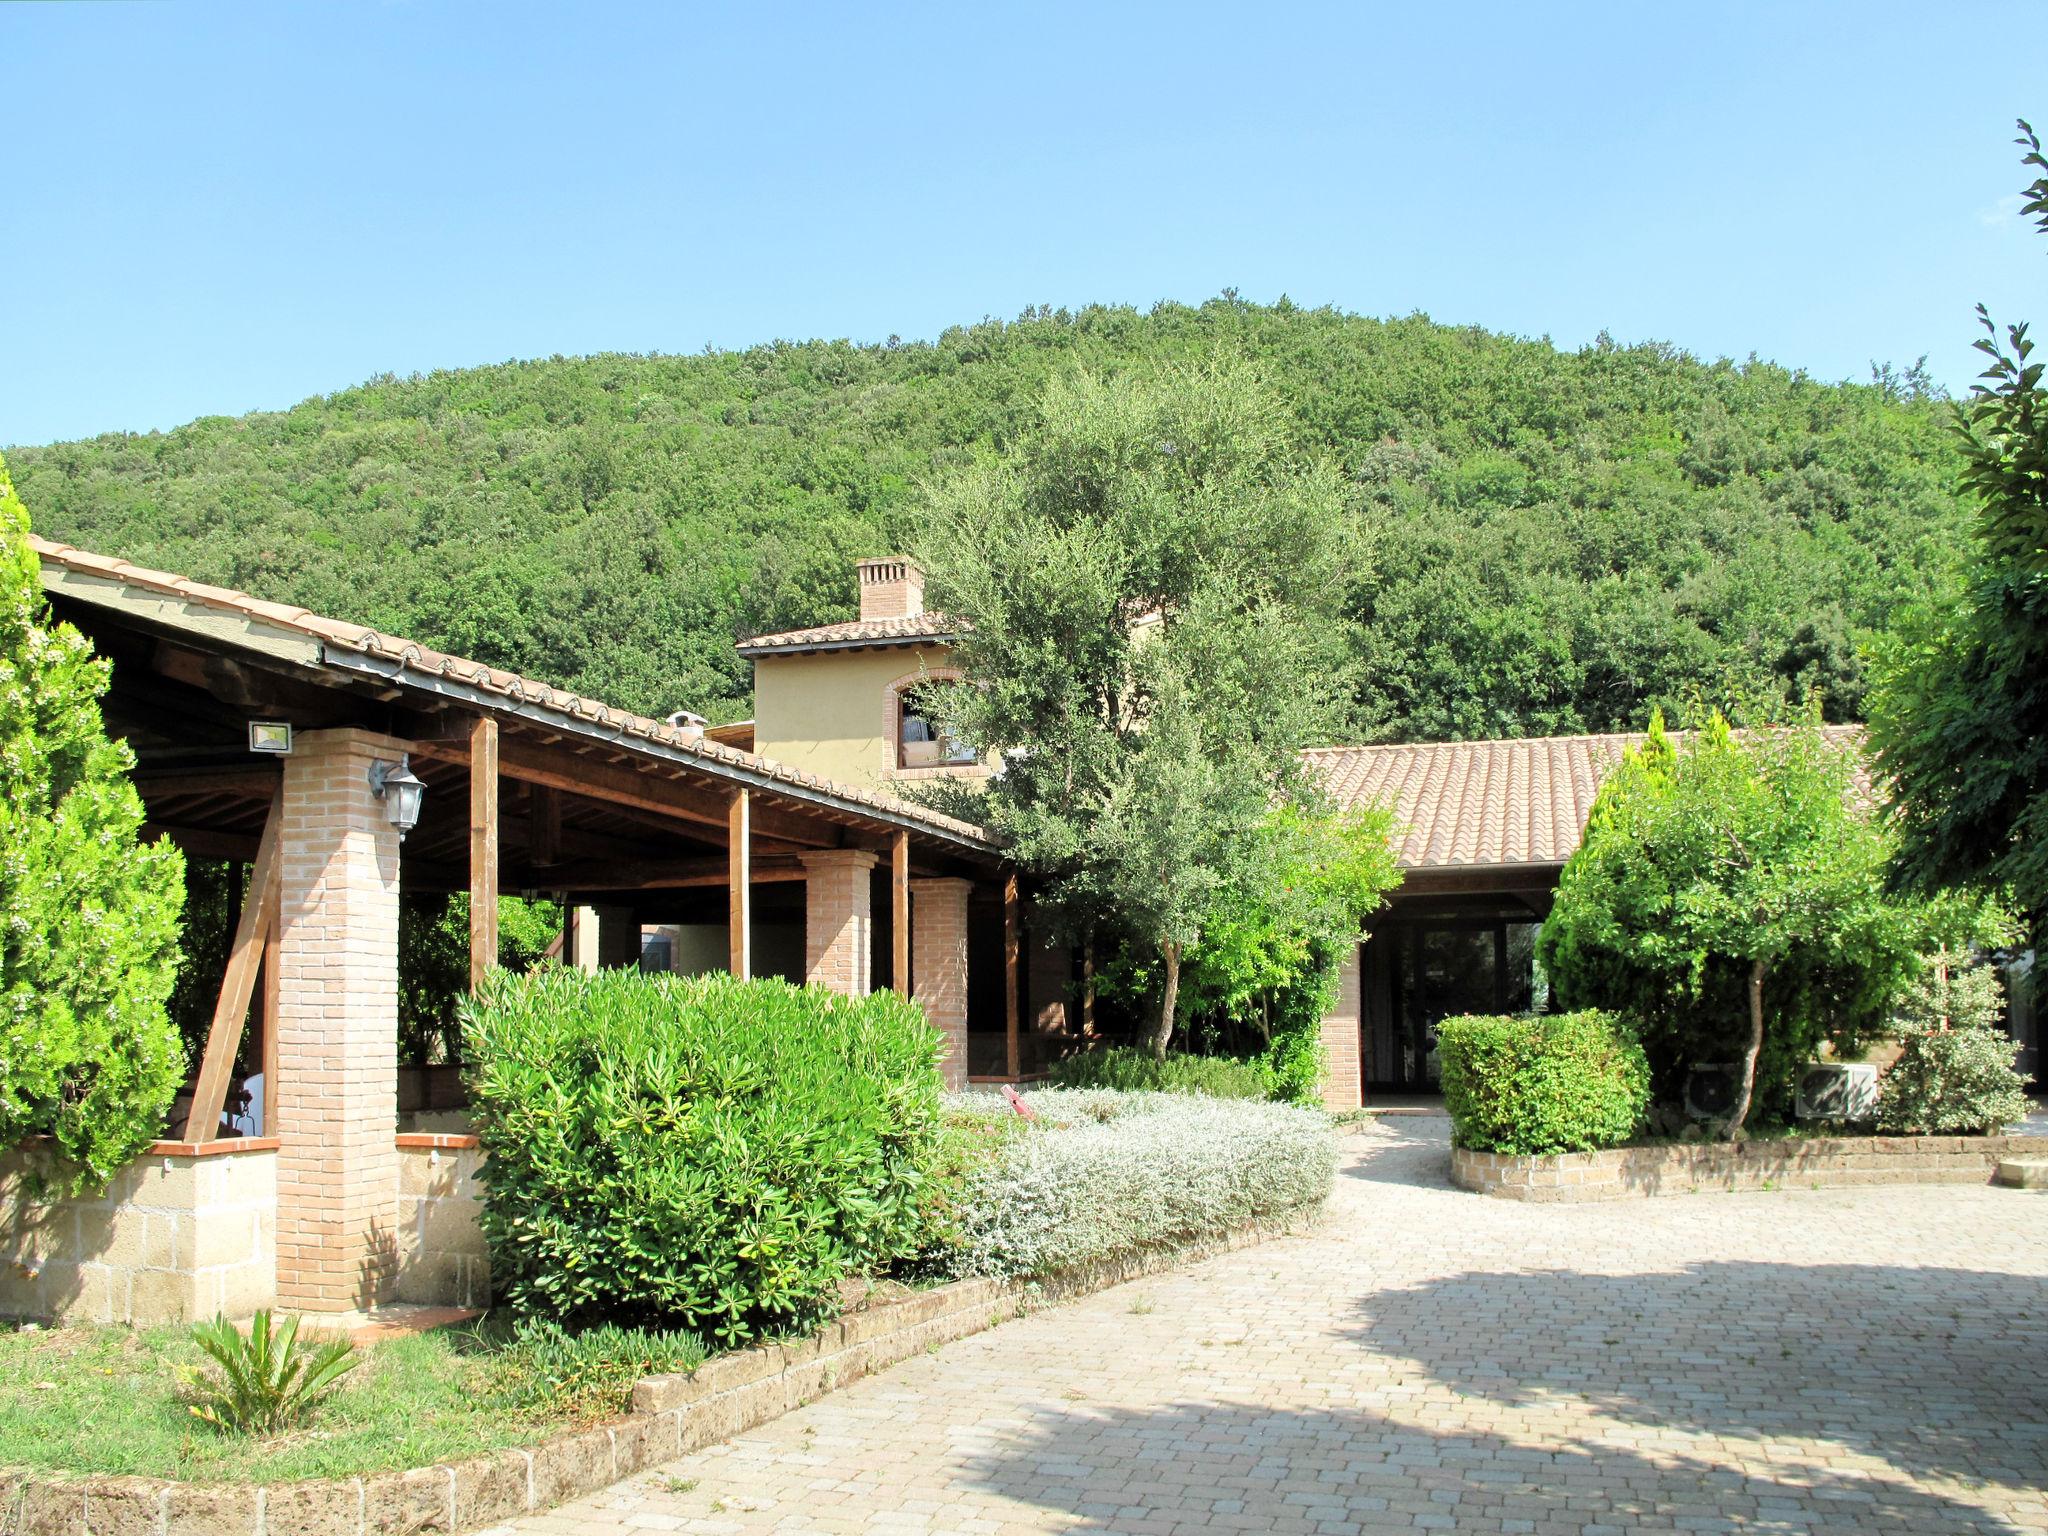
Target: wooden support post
x: 245, y: 954
x: 544, y: 821
x: 1012, y: 945
x: 1088, y: 989
x: 273, y: 979
x: 483, y: 848
x: 899, y: 913
x: 739, y: 886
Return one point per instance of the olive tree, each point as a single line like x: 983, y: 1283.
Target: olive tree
x: 1148, y: 585
x: 88, y: 914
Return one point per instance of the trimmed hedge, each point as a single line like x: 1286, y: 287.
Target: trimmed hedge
x: 1101, y: 1174
x: 1568, y: 1082
x: 698, y: 1152
x: 1136, y: 1071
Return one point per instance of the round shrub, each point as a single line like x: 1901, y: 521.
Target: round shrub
x: 1567, y: 1082
x: 697, y: 1152
x: 1952, y: 1082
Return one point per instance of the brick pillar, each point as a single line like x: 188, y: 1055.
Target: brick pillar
x: 938, y: 965
x: 1343, y: 1080
x: 839, y: 924
x: 337, y: 1028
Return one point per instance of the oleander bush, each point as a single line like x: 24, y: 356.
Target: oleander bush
x: 1567, y: 1082
x: 1952, y: 1082
x: 698, y: 1153
x: 1102, y: 1173
x: 1122, y: 1067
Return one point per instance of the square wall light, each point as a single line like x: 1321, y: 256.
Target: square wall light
x: 270, y: 736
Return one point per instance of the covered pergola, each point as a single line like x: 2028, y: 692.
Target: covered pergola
x: 286, y: 740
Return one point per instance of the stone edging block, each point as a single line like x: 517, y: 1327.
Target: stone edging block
x: 671, y: 1415
x: 1624, y: 1173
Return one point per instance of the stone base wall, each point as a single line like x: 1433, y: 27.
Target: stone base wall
x: 442, y: 1259
x: 1625, y: 1173
x: 183, y: 1233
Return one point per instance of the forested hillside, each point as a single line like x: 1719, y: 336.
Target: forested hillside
x: 1558, y: 540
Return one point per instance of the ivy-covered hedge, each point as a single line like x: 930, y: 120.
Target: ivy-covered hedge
x: 701, y: 1153
x: 1101, y: 1174
x: 1568, y: 1082
x: 1132, y: 1070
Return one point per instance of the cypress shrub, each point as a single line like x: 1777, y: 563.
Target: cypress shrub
x: 88, y: 912
x: 1568, y: 1082
x: 702, y: 1153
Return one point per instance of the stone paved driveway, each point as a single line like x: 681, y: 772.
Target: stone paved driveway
x: 1851, y: 1360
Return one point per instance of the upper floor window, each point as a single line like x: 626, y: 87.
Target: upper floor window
x: 921, y: 740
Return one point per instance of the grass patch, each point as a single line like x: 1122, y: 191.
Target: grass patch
x: 114, y: 1401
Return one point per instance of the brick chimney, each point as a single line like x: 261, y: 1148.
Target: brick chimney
x: 891, y: 588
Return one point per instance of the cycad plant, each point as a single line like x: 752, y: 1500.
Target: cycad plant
x: 268, y: 1380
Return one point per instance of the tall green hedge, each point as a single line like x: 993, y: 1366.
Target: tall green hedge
x: 704, y: 1153
x: 88, y: 913
x: 1568, y: 1082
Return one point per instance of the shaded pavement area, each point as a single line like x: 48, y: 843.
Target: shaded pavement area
x: 1858, y: 1360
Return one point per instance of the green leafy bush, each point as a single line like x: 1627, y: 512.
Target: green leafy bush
x: 543, y: 1370
x: 88, y: 913
x: 1568, y: 1082
x: 1950, y: 992
x: 1953, y: 1082
x: 701, y: 1152
x: 268, y: 1380
x: 1122, y: 1067
x: 1101, y: 1174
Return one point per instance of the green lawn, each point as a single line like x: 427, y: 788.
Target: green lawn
x: 111, y: 1400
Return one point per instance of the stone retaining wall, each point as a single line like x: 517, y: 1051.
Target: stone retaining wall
x: 184, y: 1232
x: 671, y: 1415
x: 442, y: 1258
x: 1624, y: 1173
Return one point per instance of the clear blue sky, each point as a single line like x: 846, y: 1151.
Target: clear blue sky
x: 211, y: 208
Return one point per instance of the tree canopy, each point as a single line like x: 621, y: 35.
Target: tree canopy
x: 1556, y: 541
x: 1731, y: 898
x: 1149, y: 586
x: 1960, y: 714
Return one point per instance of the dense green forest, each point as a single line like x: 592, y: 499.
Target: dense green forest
x: 1555, y: 541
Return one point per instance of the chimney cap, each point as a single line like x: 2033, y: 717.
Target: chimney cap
x: 891, y: 587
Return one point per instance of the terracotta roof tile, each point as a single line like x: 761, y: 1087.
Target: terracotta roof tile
x: 1465, y: 804
x: 855, y: 633
x: 414, y: 657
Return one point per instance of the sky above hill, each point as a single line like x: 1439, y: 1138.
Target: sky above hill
x: 215, y: 208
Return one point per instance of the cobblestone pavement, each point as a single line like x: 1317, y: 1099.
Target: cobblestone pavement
x: 1867, y: 1360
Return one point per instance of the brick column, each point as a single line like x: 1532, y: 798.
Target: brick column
x: 839, y: 924
x: 938, y: 965
x: 1343, y: 1079
x: 337, y: 1034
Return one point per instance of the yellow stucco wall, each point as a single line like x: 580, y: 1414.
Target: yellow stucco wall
x: 827, y: 712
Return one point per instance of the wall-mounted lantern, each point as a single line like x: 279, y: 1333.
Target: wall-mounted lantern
x: 401, y: 790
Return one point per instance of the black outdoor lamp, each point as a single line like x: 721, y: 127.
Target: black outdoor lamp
x: 401, y: 791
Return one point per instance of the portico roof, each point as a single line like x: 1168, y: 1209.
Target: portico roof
x: 294, y: 638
